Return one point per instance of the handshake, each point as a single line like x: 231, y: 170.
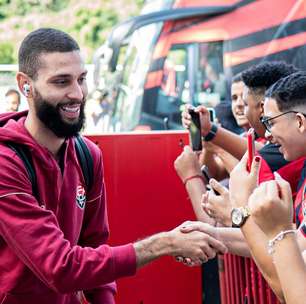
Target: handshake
x: 194, y: 243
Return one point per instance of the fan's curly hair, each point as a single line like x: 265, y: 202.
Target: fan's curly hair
x: 260, y: 77
x: 289, y: 92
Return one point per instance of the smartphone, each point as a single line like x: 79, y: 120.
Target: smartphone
x: 251, y: 147
x: 212, y: 114
x: 195, y: 130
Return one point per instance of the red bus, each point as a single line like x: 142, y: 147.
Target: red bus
x: 186, y: 51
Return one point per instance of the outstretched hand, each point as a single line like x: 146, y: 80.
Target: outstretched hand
x: 196, y: 246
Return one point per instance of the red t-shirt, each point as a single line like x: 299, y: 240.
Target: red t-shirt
x: 300, y: 202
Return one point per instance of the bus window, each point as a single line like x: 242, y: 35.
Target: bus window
x: 174, y: 88
x: 192, y: 73
x: 130, y: 83
x: 211, y: 83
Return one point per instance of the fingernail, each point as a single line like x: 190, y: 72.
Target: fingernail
x: 257, y: 159
x: 211, y: 181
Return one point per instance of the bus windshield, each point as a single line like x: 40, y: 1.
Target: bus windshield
x: 129, y: 88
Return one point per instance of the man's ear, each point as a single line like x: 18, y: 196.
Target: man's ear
x: 301, y: 120
x: 24, y: 84
x: 261, y: 105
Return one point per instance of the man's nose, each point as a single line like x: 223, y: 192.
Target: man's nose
x: 240, y: 102
x: 76, y: 92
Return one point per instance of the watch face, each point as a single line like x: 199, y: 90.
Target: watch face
x: 237, y: 216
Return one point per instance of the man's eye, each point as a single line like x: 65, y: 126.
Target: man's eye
x: 82, y: 79
x: 60, y: 81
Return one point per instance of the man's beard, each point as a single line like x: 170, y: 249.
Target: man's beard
x: 50, y: 116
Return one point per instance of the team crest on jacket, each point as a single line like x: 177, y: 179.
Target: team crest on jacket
x: 81, y: 197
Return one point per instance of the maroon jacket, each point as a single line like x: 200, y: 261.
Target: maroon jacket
x: 47, y: 245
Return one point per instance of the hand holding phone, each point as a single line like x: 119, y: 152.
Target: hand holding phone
x: 195, y: 130
x: 251, y: 147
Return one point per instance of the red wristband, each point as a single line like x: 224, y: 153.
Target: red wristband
x: 194, y: 176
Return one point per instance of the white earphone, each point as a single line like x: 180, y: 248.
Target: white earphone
x: 26, y: 89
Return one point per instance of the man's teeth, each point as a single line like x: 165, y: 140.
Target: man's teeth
x: 71, y: 108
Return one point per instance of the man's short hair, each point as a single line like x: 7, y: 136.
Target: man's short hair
x: 13, y: 92
x: 289, y: 92
x: 260, y: 77
x: 44, y: 40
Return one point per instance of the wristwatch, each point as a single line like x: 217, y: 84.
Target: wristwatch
x: 239, y: 216
x: 211, y: 134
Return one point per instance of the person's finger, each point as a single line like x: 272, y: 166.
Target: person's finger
x: 207, y: 208
x: 284, y: 188
x: 186, y: 116
x: 201, y: 109
x: 217, y: 187
x: 209, y: 252
x: 188, y: 106
x: 187, y: 260
x: 204, y: 260
x: 217, y: 245
x: 204, y: 199
x: 197, y: 226
x: 271, y: 189
x: 255, y: 168
x: 179, y: 259
x: 191, y: 227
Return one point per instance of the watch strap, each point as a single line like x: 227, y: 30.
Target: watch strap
x: 211, y: 134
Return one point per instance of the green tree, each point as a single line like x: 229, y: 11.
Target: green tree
x: 6, y: 53
x: 92, y: 24
x: 4, y: 8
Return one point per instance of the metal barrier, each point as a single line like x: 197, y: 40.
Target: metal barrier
x: 241, y: 282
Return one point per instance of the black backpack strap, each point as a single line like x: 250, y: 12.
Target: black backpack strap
x: 24, y: 154
x: 85, y: 159
x: 83, y: 154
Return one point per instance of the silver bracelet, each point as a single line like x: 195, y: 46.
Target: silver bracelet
x: 277, y: 238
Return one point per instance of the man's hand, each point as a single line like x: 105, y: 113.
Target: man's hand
x: 187, y: 164
x: 211, y: 236
x: 204, y: 118
x: 188, y: 240
x: 242, y: 183
x: 218, y: 206
x: 271, y: 206
x: 194, y: 245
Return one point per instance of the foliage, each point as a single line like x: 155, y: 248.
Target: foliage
x: 91, y: 24
x: 6, y: 53
x: 3, y: 8
x: 23, y: 7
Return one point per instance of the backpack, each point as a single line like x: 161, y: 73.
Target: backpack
x: 83, y: 154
